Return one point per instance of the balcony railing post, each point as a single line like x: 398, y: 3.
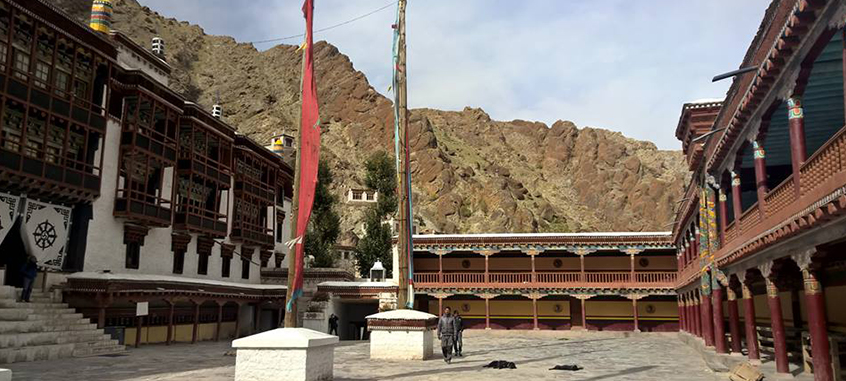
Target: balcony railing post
x: 798, y: 155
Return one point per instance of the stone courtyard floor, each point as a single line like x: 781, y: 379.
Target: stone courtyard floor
x: 604, y: 356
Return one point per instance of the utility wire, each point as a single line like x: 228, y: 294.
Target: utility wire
x: 327, y: 28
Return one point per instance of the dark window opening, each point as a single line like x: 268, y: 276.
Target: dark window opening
x: 225, y: 267
x: 203, y: 264
x: 178, y: 261
x: 133, y: 255
x: 245, y: 268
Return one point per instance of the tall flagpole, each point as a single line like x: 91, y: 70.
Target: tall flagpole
x: 404, y: 236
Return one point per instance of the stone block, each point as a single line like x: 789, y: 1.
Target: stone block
x: 285, y: 354
x: 402, y: 335
x: 5, y: 375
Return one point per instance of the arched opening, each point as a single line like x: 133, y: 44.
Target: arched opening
x: 746, y: 171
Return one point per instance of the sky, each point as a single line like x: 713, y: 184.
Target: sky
x: 622, y: 65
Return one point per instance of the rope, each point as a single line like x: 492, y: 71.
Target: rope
x: 326, y: 28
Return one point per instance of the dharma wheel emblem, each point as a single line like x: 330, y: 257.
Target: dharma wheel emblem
x: 45, y: 235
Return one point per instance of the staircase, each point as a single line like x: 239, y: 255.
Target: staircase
x: 45, y: 330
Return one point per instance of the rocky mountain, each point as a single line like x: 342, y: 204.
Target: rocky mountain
x: 470, y: 173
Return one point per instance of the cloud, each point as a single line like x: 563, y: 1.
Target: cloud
x: 622, y: 65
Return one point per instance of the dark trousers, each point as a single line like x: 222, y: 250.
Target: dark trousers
x: 333, y: 330
x: 456, y: 346
x: 27, y: 289
x: 447, y: 342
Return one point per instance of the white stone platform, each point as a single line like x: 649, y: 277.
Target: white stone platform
x: 402, y: 335
x: 285, y: 354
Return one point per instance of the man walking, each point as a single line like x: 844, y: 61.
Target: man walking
x: 333, y: 325
x: 446, y: 334
x: 30, y: 272
x: 459, y: 330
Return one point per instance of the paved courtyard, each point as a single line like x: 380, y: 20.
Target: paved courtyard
x: 604, y: 356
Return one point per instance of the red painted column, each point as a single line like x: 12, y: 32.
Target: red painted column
x: 695, y: 244
x: 707, y: 321
x: 749, y: 323
x: 734, y: 321
x: 760, y: 174
x: 697, y: 317
x: 535, y: 312
x: 635, y: 315
x: 487, y: 312
x: 440, y: 271
x: 723, y: 210
x: 681, y: 315
x: 717, y: 319
x: 534, y: 275
x: 440, y: 306
x: 170, y: 322
x: 798, y: 153
x: 584, y: 314
x: 777, y: 324
x: 196, y: 332
x: 735, y: 200
x: 818, y: 327
x: 219, y: 321
x: 632, y: 268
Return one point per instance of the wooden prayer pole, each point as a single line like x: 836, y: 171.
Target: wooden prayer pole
x: 403, y: 188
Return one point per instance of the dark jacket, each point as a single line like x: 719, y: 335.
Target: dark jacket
x: 29, y: 270
x: 459, y: 323
x: 446, y: 326
x: 333, y: 321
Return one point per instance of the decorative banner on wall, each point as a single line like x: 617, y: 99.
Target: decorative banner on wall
x: 713, y: 234
x: 45, y: 232
x: 8, y: 213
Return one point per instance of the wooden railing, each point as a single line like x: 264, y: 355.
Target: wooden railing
x: 731, y: 232
x: 548, y: 279
x: 780, y: 196
x: 829, y: 160
x: 750, y: 218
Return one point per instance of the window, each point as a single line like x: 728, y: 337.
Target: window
x: 42, y: 74
x: 80, y: 89
x: 357, y: 195
x: 279, y: 231
x: 245, y: 268
x: 203, y: 264
x: 133, y: 255
x: 4, y: 50
x: 61, y: 82
x: 225, y: 267
x: 178, y: 261
x: 21, y: 65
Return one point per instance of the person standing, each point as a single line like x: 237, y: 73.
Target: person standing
x: 446, y: 334
x: 333, y: 325
x: 30, y: 272
x: 459, y: 330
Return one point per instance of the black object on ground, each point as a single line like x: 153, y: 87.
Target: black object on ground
x: 566, y: 367
x: 501, y: 364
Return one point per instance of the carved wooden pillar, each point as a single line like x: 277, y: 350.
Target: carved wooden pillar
x: 535, y: 296
x: 632, y: 268
x: 138, y: 327
x: 734, y: 321
x: 736, y: 201
x: 532, y: 254
x: 172, y: 305
x: 777, y: 322
x: 440, y: 268
x: 219, y: 321
x: 817, y: 324
x: 196, y: 332
x: 749, y: 320
x: 760, y: 174
x: 487, y: 298
x: 697, y: 316
x: 635, y: 315
x: 719, y: 325
x: 583, y: 300
x: 798, y: 153
x: 707, y: 320
x: 238, y: 320
x: 723, y: 210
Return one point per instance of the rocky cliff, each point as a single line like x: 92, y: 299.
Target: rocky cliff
x: 470, y: 173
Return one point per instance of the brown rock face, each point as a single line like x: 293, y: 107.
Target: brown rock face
x: 470, y: 173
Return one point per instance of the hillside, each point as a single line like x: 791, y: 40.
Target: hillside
x: 471, y: 174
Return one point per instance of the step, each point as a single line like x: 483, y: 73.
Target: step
x: 45, y: 326
x: 36, y: 353
x: 8, y: 314
x: 12, y: 303
x: 16, y: 340
x: 99, y: 351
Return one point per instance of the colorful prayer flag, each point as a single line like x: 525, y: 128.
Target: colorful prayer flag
x: 309, y: 152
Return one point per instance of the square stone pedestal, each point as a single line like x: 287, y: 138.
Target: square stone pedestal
x: 402, y: 335
x: 290, y: 354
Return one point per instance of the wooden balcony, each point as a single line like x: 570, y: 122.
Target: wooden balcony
x: 563, y: 279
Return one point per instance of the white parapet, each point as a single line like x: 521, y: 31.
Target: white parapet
x: 402, y: 335
x: 285, y: 354
x: 5, y: 375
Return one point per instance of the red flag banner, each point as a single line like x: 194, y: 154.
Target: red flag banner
x: 309, y: 152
